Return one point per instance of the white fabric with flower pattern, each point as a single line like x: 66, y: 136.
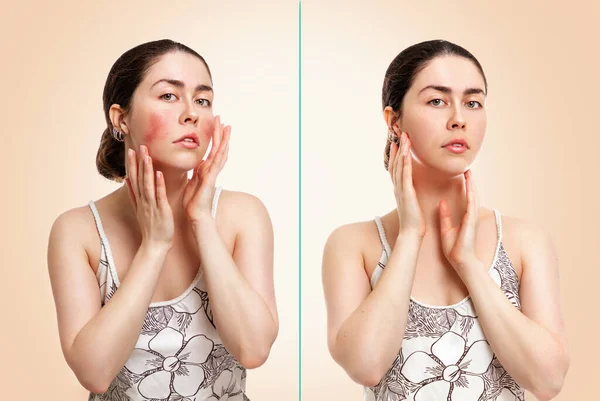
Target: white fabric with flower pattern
x: 444, y: 354
x: 179, y: 355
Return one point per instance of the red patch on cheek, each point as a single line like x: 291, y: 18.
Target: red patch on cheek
x: 207, y: 128
x: 156, y: 128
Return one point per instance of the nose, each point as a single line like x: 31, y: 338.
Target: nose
x: 189, y: 114
x: 457, y: 120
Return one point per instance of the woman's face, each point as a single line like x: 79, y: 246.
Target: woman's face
x: 173, y: 100
x: 446, y: 103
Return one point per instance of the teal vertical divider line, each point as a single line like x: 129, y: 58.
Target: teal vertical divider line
x: 299, y: 200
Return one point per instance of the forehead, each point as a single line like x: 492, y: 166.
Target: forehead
x: 457, y: 73
x: 180, y: 66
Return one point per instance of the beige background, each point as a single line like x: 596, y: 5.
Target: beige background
x: 541, y: 62
x: 538, y: 161
x: 55, y: 59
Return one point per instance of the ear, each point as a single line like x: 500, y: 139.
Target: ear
x: 117, y: 118
x: 392, y: 120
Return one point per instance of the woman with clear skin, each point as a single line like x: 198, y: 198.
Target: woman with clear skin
x: 133, y: 307
x: 441, y: 299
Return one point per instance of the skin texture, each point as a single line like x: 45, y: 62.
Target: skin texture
x: 442, y: 244
x: 160, y: 230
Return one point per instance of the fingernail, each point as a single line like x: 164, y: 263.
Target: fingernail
x: 146, y: 159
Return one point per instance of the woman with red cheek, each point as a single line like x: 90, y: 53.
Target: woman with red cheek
x: 164, y: 287
x: 442, y: 299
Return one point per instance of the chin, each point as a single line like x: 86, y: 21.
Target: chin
x: 183, y: 162
x: 456, y: 168
x: 448, y: 168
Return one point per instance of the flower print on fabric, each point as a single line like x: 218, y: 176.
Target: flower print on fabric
x: 444, y: 353
x: 178, y: 355
x: 226, y: 388
x: 167, y: 371
x: 451, y: 369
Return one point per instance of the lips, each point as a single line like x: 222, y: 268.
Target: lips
x: 191, y: 138
x: 457, y: 142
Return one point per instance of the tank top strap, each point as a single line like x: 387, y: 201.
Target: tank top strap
x: 105, y: 247
x: 498, y: 225
x: 382, y: 237
x: 215, y: 202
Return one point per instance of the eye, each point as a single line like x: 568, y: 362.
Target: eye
x: 203, y: 102
x: 436, y: 102
x: 168, y: 96
x: 473, y: 104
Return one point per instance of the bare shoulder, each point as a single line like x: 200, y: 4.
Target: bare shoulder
x: 358, y: 241
x: 237, y: 201
x: 77, y: 224
x: 239, y: 204
x: 353, y: 234
x: 73, y: 229
x: 527, y: 237
x: 238, y: 210
x: 524, y: 230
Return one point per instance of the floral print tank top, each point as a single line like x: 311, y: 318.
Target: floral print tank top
x: 444, y: 354
x: 179, y: 355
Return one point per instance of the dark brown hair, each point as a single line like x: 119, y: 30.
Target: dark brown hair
x: 124, y: 77
x: 403, y: 70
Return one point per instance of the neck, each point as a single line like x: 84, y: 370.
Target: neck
x: 431, y: 187
x: 175, y: 183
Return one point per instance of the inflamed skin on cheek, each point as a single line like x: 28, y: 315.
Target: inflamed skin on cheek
x: 206, y: 127
x: 156, y: 128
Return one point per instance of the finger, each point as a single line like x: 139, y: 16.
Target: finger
x: 219, y: 140
x: 226, y: 156
x: 140, y: 173
x: 447, y: 231
x: 219, y: 160
x: 474, y: 191
x: 399, y: 169
x: 471, y: 202
x: 132, y: 171
x: 161, y: 191
x: 445, y: 220
x: 216, y: 138
x: 149, y: 180
x: 407, y: 181
x: 226, y: 140
x: 131, y: 194
x: 226, y: 153
x: 393, y: 152
x: 219, y: 133
x: 216, y: 159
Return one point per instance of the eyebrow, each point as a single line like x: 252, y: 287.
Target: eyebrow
x: 180, y: 84
x: 445, y: 89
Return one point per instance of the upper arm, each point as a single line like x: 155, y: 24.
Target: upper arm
x: 345, y: 283
x: 540, y: 285
x: 253, y: 248
x: 74, y: 285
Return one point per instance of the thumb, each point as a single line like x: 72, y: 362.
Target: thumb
x: 447, y: 232
x: 131, y: 194
x: 445, y: 220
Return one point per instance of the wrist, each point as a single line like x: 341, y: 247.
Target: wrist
x: 154, y: 248
x: 469, y: 269
x: 408, y: 234
x: 201, y: 221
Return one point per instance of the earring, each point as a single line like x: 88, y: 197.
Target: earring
x: 118, y: 135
